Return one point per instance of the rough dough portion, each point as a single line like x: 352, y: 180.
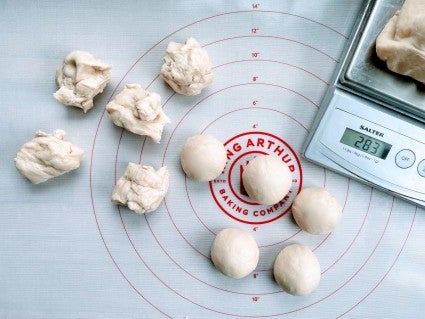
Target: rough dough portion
x: 141, y: 188
x: 401, y: 44
x: 138, y: 111
x: 316, y: 211
x: 297, y: 270
x: 203, y: 157
x: 47, y: 156
x: 235, y: 252
x: 80, y: 79
x: 186, y: 67
x: 267, y: 179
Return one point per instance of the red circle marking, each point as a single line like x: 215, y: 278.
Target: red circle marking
x: 181, y: 120
x: 211, y: 184
x: 269, y: 293
x: 93, y: 202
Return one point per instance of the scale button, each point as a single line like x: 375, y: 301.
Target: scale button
x: 421, y: 168
x: 405, y: 158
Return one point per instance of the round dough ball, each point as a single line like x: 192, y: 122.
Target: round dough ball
x: 297, y: 270
x: 316, y: 211
x: 203, y: 157
x: 235, y: 252
x: 187, y: 67
x: 267, y: 179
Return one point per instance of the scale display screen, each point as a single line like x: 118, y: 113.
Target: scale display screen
x: 365, y: 143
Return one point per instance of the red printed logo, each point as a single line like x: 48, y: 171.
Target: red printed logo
x: 227, y: 190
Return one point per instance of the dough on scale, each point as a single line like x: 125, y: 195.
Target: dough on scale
x: 401, y: 44
x: 316, y: 211
x: 203, y: 157
x: 138, y: 111
x: 266, y: 179
x: 141, y: 188
x: 80, y: 79
x: 297, y: 270
x: 235, y: 252
x: 186, y: 67
x: 47, y: 156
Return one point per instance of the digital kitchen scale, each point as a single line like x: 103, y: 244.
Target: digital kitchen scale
x: 371, y: 124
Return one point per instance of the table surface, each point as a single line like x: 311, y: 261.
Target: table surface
x: 68, y: 252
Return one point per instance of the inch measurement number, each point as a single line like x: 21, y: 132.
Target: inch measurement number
x: 255, y: 30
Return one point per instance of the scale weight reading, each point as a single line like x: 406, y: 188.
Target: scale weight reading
x: 366, y: 143
x: 365, y: 128
x: 370, y: 143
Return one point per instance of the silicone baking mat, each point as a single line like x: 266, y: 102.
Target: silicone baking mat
x: 67, y: 252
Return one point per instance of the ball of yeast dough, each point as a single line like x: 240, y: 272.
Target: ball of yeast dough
x: 316, y: 211
x: 235, y: 252
x: 203, y: 157
x: 267, y: 179
x: 297, y: 270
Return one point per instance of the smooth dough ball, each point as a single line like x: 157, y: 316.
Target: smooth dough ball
x: 297, y: 270
x: 186, y: 67
x: 235, y: 252
x: 203, y: 157
x: 316, y: 211
x: 267, y: 179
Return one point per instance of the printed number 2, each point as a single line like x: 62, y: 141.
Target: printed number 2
x: 359, y: 141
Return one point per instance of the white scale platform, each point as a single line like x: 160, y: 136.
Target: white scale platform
x: 67, y: 252
x: 370, y: 109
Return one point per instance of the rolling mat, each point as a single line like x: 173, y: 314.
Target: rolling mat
x: 67, y: 252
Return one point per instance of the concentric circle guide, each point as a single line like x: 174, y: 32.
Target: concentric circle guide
x: 269, y: 80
